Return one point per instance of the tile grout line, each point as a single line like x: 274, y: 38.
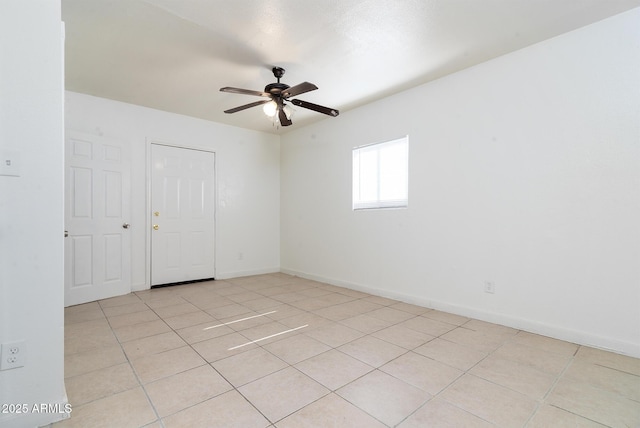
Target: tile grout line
x: 190, y: 345
x: 236, y: 388
x: 102, y: 368
x: 257, y: 289
x: 140, y: 384
x: 206, y: 362
x: 309, y: 312
x: 557, y: 380
x: 137, y: 375
x: 330, y: 391
x: 128, y: 362
x: 464, y: 372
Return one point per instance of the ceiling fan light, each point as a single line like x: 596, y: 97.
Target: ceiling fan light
x: 270, y: 108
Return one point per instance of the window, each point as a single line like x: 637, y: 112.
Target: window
x: 380, y: 175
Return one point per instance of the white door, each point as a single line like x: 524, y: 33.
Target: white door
x: 182, y: 214
x: 97, y: 210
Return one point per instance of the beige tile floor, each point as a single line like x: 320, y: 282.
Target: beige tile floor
x: 280, y: 351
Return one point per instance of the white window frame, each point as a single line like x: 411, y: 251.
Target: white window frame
x: 376, y: 177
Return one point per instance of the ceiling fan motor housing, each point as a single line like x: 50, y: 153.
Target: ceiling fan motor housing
x: 275, y: 88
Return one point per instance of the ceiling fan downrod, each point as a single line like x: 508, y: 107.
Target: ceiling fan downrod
x: 275, y: 89
x: 278, y: 72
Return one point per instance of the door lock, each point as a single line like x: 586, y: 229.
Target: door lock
x: 156, y: 227
x: 126, y: 226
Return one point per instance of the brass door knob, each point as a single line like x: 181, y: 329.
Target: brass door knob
x: 156, y: 227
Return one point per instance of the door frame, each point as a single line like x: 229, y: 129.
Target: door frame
x: 148, y: 217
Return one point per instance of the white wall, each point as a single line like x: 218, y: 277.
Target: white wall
x: 524, y: 171
x: 247, y: 171
x: 31, y: 206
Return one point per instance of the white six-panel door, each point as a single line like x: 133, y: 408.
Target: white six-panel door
x: 182, y: 214
x: 97, y: 211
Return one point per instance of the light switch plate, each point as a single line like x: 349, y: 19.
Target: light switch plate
x: 9, y: 163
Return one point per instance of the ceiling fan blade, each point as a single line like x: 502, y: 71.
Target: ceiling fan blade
x: 298, y: 89
x: 284, y: 120
x: 315, y: 107
x: 244, y: 91
x: 246, y: 106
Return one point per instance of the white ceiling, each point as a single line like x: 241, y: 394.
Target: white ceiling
x: 175, y: 55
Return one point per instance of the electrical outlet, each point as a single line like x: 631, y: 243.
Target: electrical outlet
x: 489, y: 287
x: 13, y: 355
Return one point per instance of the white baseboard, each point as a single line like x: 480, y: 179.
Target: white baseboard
x: 532, y: 326
x: 241, y: 273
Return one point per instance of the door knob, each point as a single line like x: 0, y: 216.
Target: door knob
x: 156, y: 227
x: 126, y: 226
x: 66, y: 233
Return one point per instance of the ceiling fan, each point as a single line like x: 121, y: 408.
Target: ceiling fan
x: 277, y: 93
